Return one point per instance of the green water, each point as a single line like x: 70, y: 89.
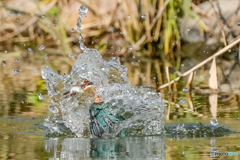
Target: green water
x: 19, y: 139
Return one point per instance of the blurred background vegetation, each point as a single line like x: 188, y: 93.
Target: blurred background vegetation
x: 155, y: 39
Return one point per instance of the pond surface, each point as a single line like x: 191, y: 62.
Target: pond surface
x: 22, y: 115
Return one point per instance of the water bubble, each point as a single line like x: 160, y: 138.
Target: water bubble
x: 130, y: 48
x: 17, y: 60
x: 185, y: 89
x: 53, y: 109
x: 11, y: 13
x: 72, y: 30
x: 214, y: 122
x: 143, y: 16
x: 41, y: 97
x: 30, y: 49
x: 4, y: 63
x: 83, y: 10
x: 19, y: 14
x: 42, y: 47
x: 182, y: 101
x: 56, y: 21
x: 43, y: 16
x: 16, y: 71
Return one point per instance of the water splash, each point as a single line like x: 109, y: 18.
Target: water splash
x: 140, y: 108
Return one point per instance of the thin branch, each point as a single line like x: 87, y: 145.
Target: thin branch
x: 237, y: 41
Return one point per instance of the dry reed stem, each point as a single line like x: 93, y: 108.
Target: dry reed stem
x: 237, y: 41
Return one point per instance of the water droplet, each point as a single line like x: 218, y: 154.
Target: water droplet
x: 119, y: 49
x: 214, y: 122
x: 30, y: 49
x: 19, y: 14
x: 11, y: 13
x: 105, y: 69
x: 129, y: 16
x: 130, y: 48
x: 17, y: 60
x: 4, y: 63
x: 56, y: 21
x: 229, y: 50
x: 143, y: 16
x: 72, y: 30
x: 134, y: 56
x: 83, y: 10
x: 16, y: 71
x: 185, y: 89
x: 42, y: 47
x: 182, y: 65
x: 72, y: 55
x: 41, y: 97
x: 53, y: 109
x: 46, y: 57
x: 22, y: 101
x: 238, y: 23
x: 182, y: 101
x: 43, y: 16
x: 5, y: 51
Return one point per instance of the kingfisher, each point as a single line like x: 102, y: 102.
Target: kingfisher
x: 101, y: 119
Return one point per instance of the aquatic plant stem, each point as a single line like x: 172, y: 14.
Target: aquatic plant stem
x: 237, y: 41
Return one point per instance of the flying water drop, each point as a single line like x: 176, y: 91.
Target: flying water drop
x: 143, y: 16
x: 30, y: 49
x: 43, y: 16
x: 42, y: 47
x: 214, y: 122
x: 11, y: 13
x: 72, y: 30
x: 19, y: 14
x: 182, y: 101
x: 16, y: 71
x: 4, y: 63
x: 83, y: 10
x: 72, y: 55
x: 17, y: 60
x: 41, y: 97
x: 5, y: 51
x: 56, y: 21
x: 185, y: 89
x: 130, y: 48
x: 46, y: 57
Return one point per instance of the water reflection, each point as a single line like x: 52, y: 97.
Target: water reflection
x: 118, y: 148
